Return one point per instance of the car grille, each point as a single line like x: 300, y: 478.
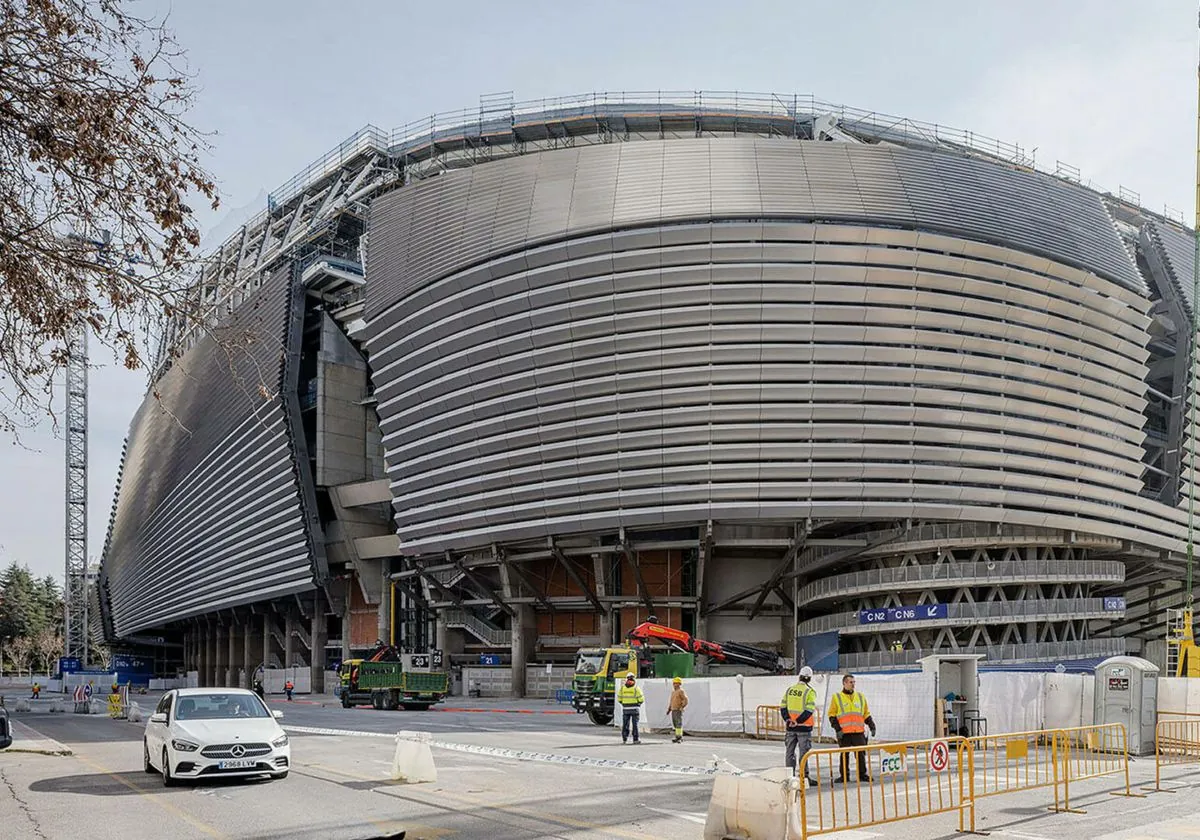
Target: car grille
x: 226, y: 750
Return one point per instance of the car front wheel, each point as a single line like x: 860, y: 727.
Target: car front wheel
x: 146, y: 765
x: 168, y: 779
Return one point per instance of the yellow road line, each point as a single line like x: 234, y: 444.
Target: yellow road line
x: 156, y: 799
x: 512, y: 808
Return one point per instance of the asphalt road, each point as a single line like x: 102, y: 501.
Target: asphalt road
x: 515, y: 770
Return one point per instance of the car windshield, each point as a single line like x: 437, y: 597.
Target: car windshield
x: 589, y: 662
x: 219, y: 707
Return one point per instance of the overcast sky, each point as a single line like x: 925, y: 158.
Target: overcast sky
x: 1108, y: 87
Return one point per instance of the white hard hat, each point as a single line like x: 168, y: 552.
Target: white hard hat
x: 806, y: 672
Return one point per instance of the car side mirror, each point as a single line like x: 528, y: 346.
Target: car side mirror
x: 158, y: 717
x: 276, y: 714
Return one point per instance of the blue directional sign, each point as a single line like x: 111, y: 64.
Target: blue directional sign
x: 888, y: 615
x: 68, y: 664
x: 1114, y: 603
x: 489, y: 659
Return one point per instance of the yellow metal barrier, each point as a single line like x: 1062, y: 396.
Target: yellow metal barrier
x: 1175, y: 742
x: 1089, y: 752
x: 768, y: 723
x: 905, y: 780
x: 1008, y: 762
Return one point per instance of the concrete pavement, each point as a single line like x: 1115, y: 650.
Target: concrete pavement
x: 584, y: 783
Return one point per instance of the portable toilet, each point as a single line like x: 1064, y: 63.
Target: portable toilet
x: 1127, y: 692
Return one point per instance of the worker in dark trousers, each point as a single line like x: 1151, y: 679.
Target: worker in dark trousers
x: 630, y: 699
x: 850, y: 717
x: 799, y: 710
x: 288, y: 688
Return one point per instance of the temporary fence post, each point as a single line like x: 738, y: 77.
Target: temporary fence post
x: 1066, y: 751
x: 1124, y: 753
x: 971, y: 780
x: 1054, y: 761
x: 803, y: 773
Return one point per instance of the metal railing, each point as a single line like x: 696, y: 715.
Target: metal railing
x: 768, y: 723
x: 1034, y: 652
x: 1058, y: 609
x: 483, y: 630
x: 1175, y: 742
x: 493, y: 123
x: 1018, y: 571
x: 912, y: 779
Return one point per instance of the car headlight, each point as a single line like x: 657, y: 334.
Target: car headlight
x: 281, y: 741
x: 184, y: 746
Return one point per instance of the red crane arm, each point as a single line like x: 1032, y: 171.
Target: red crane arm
x: 649, y: 632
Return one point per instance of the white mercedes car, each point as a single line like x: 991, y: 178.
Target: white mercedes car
x: 204, y: 733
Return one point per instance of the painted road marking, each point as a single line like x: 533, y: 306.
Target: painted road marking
x: 388, y: 787
x: 699, y: 819
x: 526, y: 755
x: 156, y: 799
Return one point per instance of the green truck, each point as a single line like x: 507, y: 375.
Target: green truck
x: 408, y: 685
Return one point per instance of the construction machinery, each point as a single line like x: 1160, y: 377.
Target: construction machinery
x: 412, y: 682
x: 598, y: 671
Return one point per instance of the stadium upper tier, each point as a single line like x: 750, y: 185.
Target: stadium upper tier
x: 651, y: 312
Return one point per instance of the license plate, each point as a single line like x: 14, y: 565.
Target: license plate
x: 236, y: 764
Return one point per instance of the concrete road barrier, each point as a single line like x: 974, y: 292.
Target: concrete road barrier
x: 752, y: 807
x: 413, y: 760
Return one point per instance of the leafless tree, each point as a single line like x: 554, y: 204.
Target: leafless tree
x: 47, y: 645
x: 20, y: 653
x: 96, y: 166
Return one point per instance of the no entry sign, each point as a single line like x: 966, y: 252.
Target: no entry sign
x: 939, y: 756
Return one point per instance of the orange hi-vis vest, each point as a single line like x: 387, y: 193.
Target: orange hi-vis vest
x: 850, y: 711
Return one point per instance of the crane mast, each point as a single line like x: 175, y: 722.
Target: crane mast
x: 75, y: 594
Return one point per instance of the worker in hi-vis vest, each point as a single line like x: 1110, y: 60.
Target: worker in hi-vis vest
x: 850, y: 717
x: 799, y: 710
x: 630, y: 699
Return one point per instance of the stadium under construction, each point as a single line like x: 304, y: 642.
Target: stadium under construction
x: 509, y: 381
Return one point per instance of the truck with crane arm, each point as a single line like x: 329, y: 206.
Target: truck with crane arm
x: 598, y: 671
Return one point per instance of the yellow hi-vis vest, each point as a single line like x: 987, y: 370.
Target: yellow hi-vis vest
x: 798, y: 699
x: 630, y: 696
x: 850, y: 711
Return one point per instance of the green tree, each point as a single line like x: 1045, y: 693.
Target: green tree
x: 20, y: 608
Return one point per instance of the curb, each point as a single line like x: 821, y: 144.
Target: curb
x: 32, y: 751
x: 29, y: 740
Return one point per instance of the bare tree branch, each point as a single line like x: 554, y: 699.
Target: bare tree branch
x: 96, y: 166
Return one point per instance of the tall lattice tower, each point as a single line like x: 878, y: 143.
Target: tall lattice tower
x: 75, y: 595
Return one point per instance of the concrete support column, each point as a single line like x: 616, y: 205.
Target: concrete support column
x: 605, y: 628
x: 441, y: 640
x: 346, y: 632
x: 524, y: 640
x: 235, y: 645
x: 385, y: 604
x: 316, y: 660
x: 266, y: 641
x: 289, y: 642
x: 210, y: 657
x: 251, y: 649
x: 221, y: 656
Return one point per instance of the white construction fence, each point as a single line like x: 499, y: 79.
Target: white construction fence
x: 901, y: 704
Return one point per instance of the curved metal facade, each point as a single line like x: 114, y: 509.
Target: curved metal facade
x: 210, y: 511
x: 661, y: 333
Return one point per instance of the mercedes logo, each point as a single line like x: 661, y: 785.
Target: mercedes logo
x: 237, y: 751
